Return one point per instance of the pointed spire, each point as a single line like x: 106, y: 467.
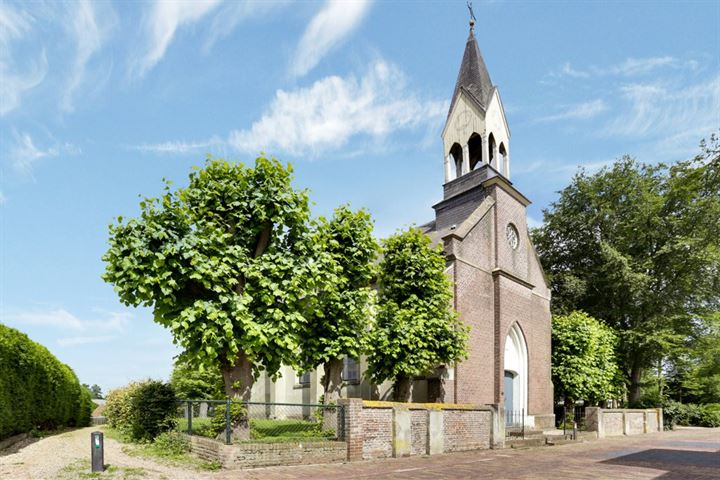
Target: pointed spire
x: 473, y: 77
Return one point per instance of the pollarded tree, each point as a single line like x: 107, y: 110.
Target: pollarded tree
x: 344, y: 309
x: 416, y: 329
x: 583, y: 358
x: 225, y: 264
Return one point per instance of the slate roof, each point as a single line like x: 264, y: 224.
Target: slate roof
x: 473, y: 78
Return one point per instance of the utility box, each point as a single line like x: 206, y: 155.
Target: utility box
x: 97, y: 452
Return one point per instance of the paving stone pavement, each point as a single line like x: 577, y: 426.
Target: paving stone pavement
x: 683, y: 454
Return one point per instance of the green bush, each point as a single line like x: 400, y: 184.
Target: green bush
x: 142, y: 410
x: 154, y: 406
x: 172, y: 443
x: 238, y: 416
x: 689, y: 414
x: 37, y: 391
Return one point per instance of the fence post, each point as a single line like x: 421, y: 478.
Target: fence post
x: 228, y: 440
x: 189, y: 417
x: 523, y: 422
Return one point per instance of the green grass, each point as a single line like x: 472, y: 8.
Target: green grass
x: 81, y: 469
x: 200, y: 426
x: 155, y: 452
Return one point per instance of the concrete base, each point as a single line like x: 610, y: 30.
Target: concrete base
x: 545, y: 422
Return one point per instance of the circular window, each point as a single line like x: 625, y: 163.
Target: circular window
x: 512, y: 236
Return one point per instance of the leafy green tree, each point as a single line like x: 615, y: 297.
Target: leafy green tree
x: 225, y: 264
x: 195, y: 383
x: 95, y: 391
x: 638, y: 246
x: 583, y: 358
x: 345, y: 306
x: 417, y: 330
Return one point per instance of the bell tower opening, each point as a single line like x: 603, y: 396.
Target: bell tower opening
x: 456, y: 158
x: 475, y: 149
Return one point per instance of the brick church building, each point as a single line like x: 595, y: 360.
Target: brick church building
x: 500, y: 290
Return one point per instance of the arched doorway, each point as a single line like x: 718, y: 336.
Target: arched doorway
x: 516, y: 374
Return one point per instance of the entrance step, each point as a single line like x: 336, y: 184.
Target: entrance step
x: 524, y: 442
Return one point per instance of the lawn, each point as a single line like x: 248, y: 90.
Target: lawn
x: 266, y: 430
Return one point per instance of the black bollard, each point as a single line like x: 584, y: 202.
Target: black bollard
x: 97, y: 452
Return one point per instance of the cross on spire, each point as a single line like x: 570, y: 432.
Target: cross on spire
x: 472, y: 16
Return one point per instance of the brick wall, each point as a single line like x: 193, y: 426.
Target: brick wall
x: 377, y: 429
x: 466, y: 429
x: 419, y: 429
x: 251, y: 455
x: 613, y: 422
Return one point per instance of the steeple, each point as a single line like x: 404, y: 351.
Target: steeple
x: 476, y: 132
x: 473, y: 75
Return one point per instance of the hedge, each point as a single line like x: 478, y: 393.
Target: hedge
x: 142, y: 410
x: 37, y: 391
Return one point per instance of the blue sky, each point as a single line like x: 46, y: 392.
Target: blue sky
x: 101, y: 100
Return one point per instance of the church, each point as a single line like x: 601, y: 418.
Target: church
x: 500, y: 290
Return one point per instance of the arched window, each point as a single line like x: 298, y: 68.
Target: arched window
x: 475, y: 149
x: 456, y: 152
x: 503, y: 158
x: 491, y: 147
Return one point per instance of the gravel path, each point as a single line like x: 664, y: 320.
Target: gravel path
x: 67, y: 456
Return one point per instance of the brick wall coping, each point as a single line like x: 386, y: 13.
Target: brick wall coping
x: 629, y: 410
x: 424, y: 406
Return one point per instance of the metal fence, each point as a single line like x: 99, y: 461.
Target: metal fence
x: 232, y: 421
x: 515, y: 423
x: 571, y: 420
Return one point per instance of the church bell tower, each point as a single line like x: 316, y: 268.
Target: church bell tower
x: 476, y: 132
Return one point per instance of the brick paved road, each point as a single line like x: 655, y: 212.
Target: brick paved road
x: 680, y: 455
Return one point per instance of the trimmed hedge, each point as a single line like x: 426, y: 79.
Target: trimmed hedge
x: 142, y: 410
x: 37, y: 391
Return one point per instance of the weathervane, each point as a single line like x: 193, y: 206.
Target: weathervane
x: 472, y: 15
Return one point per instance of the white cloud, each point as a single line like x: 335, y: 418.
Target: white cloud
x: 179, y: 147
x: 161, y: 23
x: 104, y: 322
x: 81, y: 340
x: 327, y: 29
x: 582, y: 111
x: 232, y: 13
x: 3, y: 199
x: 667, y: 110
x: 17, y: 79
x: 327, y: 114
x: 89, y: 37
x: 630, y: 67
x: 24, y: 153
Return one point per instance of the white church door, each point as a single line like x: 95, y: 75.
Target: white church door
x: 516, y: 377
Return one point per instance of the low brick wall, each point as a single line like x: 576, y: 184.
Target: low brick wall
x: 393, y: 429
x: 614, y: 422
x: 251, y: 455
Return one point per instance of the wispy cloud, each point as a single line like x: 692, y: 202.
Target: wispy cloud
x: 24, y: 154
x: 106, y: 321
x: 630, y: 67
x: 179, y: 147
x: 582, y: 111
x: 327, y: 29
x: 231, y: 14
x: 17, y: 78
x: 161, y: 23
x: 327, y: 114
x: 662, y: 109
x: 88, y: 36
x: 3, y: 199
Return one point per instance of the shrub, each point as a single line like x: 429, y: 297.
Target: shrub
x: 172, y: 443
x: 709, y: 415
x: 689, y: 414
x: 37, y: 391
x: 141, y: 410
x: 153, y: 410
x: 238, y: 416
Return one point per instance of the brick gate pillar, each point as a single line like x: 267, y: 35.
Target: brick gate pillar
x: 352, y: 410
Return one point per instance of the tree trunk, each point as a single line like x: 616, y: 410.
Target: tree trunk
x: 401, y: 388
x: 238, y: 379
x: 635, y: 384
x: 332, y: 380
